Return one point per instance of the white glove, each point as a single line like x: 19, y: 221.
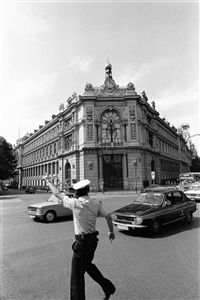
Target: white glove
x: 45, y: 177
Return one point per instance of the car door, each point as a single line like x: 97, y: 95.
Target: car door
x: 169, y: 213
x: 180, y: 204
x: 58, y: 207
x: 64, y: 211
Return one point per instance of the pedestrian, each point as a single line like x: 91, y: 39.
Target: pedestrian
x: 85, y: 212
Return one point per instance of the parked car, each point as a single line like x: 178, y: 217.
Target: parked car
x: 49, y: 210
x: 153, y: 208
x: 184, y: 186
x: 4, y: 188
x: 194, y: 192
x: 30, y: 190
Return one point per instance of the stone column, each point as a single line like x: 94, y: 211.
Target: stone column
x: 101, y: 166
x: 124, y: 166
x: 20, y: 179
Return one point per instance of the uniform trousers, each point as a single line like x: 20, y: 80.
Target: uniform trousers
x: 83, y: 253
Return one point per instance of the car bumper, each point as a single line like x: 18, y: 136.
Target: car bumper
x: 35, y: 214
x: 128, y: 226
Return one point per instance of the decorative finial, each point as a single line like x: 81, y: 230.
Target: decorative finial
x: 108, y: 69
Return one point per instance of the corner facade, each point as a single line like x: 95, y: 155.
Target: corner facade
x: 109, y: 135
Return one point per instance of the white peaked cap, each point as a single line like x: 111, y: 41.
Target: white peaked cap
x: 81, y: 184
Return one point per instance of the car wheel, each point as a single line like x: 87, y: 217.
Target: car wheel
x: 188, y: 217
x: 50, y: 216
x: 155, y: 227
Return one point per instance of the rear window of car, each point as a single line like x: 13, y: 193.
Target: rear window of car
x: 175, y: 197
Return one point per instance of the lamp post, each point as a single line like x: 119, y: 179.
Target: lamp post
x: 197, y: 134
x: 136, y: 164
x: 102, y: 162
x: 102, y: 167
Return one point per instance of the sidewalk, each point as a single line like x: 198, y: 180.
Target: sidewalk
x: 107, y: 193
x: 19, y: 192
x: 113, y: 193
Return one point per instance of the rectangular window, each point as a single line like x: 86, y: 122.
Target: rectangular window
x: 177, y: 197
x: 151, y: 139
x: 68, y: 142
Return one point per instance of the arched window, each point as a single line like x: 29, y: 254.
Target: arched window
x: 54, y: 148
x: 68, y: 172
x: 111, y: 128
x: 68, y: 142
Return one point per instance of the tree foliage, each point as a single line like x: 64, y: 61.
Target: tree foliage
x: 8, y: 160
x: 195, y: 167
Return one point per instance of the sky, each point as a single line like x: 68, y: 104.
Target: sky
x: 51, y: 49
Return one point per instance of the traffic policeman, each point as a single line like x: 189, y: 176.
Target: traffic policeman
x: 85, y: 212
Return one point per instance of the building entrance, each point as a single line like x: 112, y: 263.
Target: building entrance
x: 112, y: 172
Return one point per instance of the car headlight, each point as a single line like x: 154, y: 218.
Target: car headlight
x: 38, y: 210
x: 138, y: 221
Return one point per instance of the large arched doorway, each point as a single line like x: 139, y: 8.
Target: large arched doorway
x: 112, y: 172
x: 111, y: 136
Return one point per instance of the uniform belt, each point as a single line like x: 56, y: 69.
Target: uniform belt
x: 86, y: 235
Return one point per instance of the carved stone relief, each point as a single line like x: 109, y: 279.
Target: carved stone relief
x: 90, y: 132
x: 89, y: 128
x: 133, y: 132
x: 132, y: 118
x: 132, y: 113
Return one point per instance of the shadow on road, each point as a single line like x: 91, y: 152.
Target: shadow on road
x: 7, y: 197
x: 57, y: 220
x: 168, y: 230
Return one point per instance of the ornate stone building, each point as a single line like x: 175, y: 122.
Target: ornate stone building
x: 110, y: 135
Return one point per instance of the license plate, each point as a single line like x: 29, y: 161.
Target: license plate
x: 122, y: 227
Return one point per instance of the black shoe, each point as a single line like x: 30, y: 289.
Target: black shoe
x: 109, y: 292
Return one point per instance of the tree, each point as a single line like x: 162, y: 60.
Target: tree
x: 8, y: 160
x: 195, y: 167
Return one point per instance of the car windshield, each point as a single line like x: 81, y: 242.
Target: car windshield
x: 150, y: 198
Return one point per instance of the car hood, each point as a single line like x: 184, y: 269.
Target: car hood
x: 43, y: 204
x: 136, y: 209
x: 192, y: 192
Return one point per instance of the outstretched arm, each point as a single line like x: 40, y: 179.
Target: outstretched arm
x: 111, y: 234
x: 53, y: 188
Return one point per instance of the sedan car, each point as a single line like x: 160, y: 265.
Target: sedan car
x: 154, y: 208
x: 30, y: 190
x: 4, y: 188
x: 194, y: 192
x: 49, y: 210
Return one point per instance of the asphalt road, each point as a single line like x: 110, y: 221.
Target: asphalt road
x: 37, y: 256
